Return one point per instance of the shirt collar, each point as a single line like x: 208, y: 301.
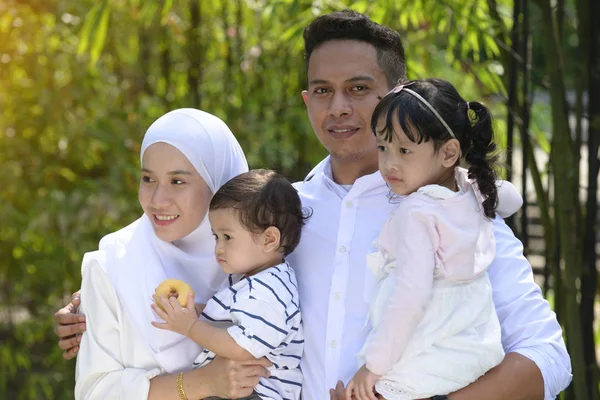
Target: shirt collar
x: 365, y: 183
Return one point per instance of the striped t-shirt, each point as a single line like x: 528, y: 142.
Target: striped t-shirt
x: 263, y: 315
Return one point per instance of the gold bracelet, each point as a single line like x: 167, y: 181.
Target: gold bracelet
x: 180, y: 391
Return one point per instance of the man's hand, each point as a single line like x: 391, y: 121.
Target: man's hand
x: 339, y: 393
x: 69, y: 327
x: 362, y: 386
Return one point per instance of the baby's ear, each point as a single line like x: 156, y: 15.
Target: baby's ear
x: 271, y: 239
x: 450, y: 153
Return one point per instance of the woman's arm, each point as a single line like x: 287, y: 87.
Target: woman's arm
x: 222, y: 378
x: 101, y: 373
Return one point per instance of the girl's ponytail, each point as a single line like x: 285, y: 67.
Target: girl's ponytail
x: 480, y: 155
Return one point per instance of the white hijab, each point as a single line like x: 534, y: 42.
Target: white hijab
x: 138, y: 260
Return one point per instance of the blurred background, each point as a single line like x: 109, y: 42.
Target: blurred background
x: 80, y: 81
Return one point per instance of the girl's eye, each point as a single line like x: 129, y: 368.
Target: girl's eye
x: 215, y: 236
x: 146, y: 179
x: 381, y: 148
x: 177, y: 182
x: 404, y: 151
x: 227, y: 237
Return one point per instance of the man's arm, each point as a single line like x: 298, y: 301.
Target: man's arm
x: 69, y: 327
x: 516, y: 378
x: 537, y: 365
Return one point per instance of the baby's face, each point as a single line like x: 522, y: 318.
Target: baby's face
x: 237, y: 250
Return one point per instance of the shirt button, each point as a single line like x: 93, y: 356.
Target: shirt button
x: 337, y: 295
x: 333, y: 344
x: 349, y: 204
x: 342, y: 249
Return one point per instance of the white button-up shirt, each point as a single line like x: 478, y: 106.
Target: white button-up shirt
x: 335, y: 286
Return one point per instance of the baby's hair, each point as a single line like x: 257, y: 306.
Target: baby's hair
x: 263, y: 198
x: 470, y: 122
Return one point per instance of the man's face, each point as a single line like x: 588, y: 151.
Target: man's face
x: 344, y: 86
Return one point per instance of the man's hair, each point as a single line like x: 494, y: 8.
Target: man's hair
x: 351, y: 25
x: 263, y: 198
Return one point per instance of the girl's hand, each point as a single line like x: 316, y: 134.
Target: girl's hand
x: 362, y: 386
x: 177, y: 318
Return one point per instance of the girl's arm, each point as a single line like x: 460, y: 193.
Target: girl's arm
x: 417, y: 242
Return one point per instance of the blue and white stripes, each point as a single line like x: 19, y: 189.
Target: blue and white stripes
x: 264, y: 310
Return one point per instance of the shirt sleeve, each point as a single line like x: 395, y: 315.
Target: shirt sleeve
x: 259, y: 326
x: 100, y: 373
x: 509, y: 199
x: 416, y: 244
x: 529, y: 326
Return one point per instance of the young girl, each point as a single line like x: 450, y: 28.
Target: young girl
x: 434, y: 325
x: 256, y: 219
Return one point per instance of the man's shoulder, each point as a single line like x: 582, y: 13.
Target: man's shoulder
x: 310, y: 187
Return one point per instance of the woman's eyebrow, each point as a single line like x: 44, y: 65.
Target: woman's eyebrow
x: 176, y: 172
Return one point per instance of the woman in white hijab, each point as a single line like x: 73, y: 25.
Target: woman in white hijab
x: 186, y: 156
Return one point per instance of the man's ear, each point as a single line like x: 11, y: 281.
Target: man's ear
x: 271, y: 239
x: 305, y: 96
x: 450, y: 152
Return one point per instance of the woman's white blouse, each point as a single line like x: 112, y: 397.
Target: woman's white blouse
x: 113, y: 361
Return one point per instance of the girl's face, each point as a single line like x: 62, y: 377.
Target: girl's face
x: 406, y: 166
x: 172, y: 193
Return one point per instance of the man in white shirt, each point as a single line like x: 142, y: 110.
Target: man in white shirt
x: 351, y: 63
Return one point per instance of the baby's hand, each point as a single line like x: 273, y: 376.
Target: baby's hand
x: 199, y: 308
x: 177, y: 318
x: 362, y: 386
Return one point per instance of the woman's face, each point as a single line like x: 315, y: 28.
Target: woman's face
x: 172, y: 193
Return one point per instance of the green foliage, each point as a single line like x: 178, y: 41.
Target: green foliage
x: 81, y: 81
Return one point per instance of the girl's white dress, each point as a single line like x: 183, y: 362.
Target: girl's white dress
x: 434, y: 324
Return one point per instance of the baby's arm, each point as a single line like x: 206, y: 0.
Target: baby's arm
x: 185, y: 321
x: 218, y: 340
x: 417, y: 242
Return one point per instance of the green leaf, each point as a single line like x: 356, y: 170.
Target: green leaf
x: 86, y: 31
x: 100, y: 34
x: 165, y: 11
x: 541, y: 137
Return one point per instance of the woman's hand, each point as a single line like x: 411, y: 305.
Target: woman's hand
x: 177, y: 318
x: 362, y: 386
x: 69, y: 327
x: 234, y: 379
